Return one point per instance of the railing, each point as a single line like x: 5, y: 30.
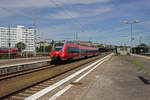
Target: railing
x: 22, y: 55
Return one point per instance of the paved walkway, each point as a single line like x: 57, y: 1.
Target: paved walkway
x: 7, y: 62
x: 118, y: 79
x: 141, y: 56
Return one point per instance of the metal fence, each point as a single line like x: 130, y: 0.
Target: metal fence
x: 22, y: 55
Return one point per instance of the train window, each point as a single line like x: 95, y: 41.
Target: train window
x: 83, y: 51
x: 86, y: 51
x: 58, y: 46
x: 76, y: 50
x: 68, y: 49
x: 72, y: 49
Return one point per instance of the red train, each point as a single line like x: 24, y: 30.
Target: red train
x: 14, y: 51
x: 68, y: 50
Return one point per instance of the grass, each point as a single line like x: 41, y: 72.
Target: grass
x: 135, y: 62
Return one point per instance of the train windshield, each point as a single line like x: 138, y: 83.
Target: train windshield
x: 58, y: 46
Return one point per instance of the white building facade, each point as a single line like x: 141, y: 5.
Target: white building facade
x: 11, y: 36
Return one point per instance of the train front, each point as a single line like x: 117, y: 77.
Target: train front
x: 57, y: 52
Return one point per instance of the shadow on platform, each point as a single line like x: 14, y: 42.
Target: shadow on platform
x: 144, y: 80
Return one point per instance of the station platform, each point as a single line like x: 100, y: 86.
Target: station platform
x: 21, y: 61
x: 136, y: 55
x: 115, y: 79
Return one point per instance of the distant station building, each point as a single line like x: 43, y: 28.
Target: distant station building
x: 123, y: 50
x: 41, y: 43
x: 11, y: 36
x: 87, y: 43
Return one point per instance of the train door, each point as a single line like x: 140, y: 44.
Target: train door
x: 76, y: 51
x: 69, y: 51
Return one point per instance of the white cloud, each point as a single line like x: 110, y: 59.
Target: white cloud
x: 122, y: 28
x: 80, y: 1
x: 75, y: 13
x: 24, y: 3
x: 147, y: 22
x: 97, y: 11
x: 4, y: 12
x: 59, y: 31
x: 16, y: 5
x: 63, y: 15
x: 44, y: 3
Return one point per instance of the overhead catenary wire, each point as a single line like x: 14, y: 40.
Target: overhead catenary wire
x: 15, y: 11
x: 66, y: 11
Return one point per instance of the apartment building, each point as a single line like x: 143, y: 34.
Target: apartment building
x: 11, y: 36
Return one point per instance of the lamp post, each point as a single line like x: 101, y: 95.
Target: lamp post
x: 123, y: 39
x: 140, y: 40
x: 34, y: 29
x: 9, y: 43
x: 131, y: 24
x: 26, y: 34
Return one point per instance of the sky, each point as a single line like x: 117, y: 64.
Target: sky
x: 99, y: 21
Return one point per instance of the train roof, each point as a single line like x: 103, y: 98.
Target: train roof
x: 8, y: 48
x: 76, y: 43
x: 72, y: 42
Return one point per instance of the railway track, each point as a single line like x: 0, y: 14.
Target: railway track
x: 15, y: 74
x: 21, y: 60
x: 148, y: 54
x: 23, y: 90
x: 6, y: 70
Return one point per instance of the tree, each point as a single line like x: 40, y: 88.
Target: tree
x: 100, y: 46
x: 21, y: 46
x: 48, y: 48
x: 143, y: 45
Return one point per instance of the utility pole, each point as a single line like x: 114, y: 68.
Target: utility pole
x: 9, y: 44
x: 140, y: 40
x: 131, y: 23
x: 132, y: 38
x: 29, y: 40
x: 26, y: 44
x: 34, y: 25
x: 44, y: 43
x: 76, y: 36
